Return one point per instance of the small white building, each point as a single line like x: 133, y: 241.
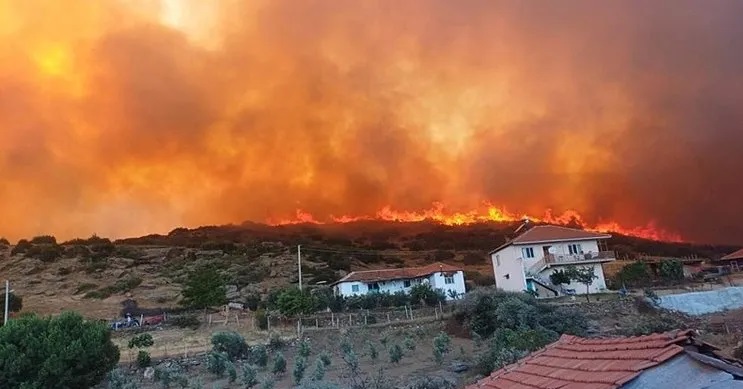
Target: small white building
x: 447, y: 278
x: 526, y: 262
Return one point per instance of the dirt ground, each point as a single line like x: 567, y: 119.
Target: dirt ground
x: 415, y: 363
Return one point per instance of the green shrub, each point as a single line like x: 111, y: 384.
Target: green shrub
x: 300, y: 365
x: 423, y: 293
x: 204, y: 288
x: 304, y: 348
x: 259, y: 355
x: 185, y: 321
x: 230, y: 343
x: 279, y: 364
x: 170, y: 375
x: 275, y: 342
x: 216, y: 363
x: 268, y: 383
x: 119, y: 380
x: 634, y: 274
x: 395, y: 353
x: 441, y: 346
x: 319, y: 373
x: 55, y: 352
x: 671, y: 270
x: 249, y: 376
x: 143, y: 358
x: 231, y: 372
x: 262, y: 319
x: 44, y: 239
x: 345, y: 345
x: 325, y: 358
x: 647, y: 325
x: 372, y: 351
x: 409, y: 343
x: 507, y: 346
x: 141, y: 341
x: 292, y: 302
x: 496, y: 358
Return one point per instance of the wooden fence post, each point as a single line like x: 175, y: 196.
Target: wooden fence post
x: 388, y: 317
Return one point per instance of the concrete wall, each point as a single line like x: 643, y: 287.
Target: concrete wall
x: 700, y: 303
x: 598, y: 285
x: 508, y: 269
x: 436, y: 280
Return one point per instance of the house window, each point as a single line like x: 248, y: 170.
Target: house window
x: 373, y: 286
x: 527, y: 252
x: 406, y: 284
x: 575, y: 249
x: 497, y: 260
x: 354, y: 288
x: 449, y: 279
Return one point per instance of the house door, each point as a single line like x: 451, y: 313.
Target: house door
x: 546, y: 252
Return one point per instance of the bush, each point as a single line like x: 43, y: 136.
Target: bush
x: 300, y: 365
x: 647, y: 325
x: 325, y: 358
x: 249, y: 376
x: 231, y: 372
x: 185, y: 321
x: 671, y: 270
x: 44, y: 239
x: 441, y: 346
x: 259, y: 355
x: 55, y: 352
x: 169, y: 375
x: 119, y: 380
x: 4, y: 242
x: 46, y: 252
x: 279, y: 364
x: 423, y: 293
x: 396, y: 354
x: 15, y: 304
x: 268, y: 383
x: 275, y: 342
x: 141, y: 341
x: 372, y: 351
x: 230, y: 343
x: 319, y: 373
x: 262, y: 319
x: 634, y: 274
x: 304, y: 348
x: 495, y: 358
x: 292, y: 302
x: 409, y: 343
x: 21, y: 247
x: 143, y: 358
x: 204, y: 288
x: 216, y: 363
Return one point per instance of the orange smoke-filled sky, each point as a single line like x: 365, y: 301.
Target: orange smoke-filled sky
x: 126, y: 117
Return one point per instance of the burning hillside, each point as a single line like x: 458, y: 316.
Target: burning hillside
x: 125, y: 118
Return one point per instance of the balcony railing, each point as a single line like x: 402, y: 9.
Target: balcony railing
x: 570, y: 258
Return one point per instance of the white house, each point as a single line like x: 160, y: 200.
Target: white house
x: 449, y: 279
x: 526, y: 262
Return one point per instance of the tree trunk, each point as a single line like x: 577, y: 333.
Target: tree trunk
x: 587, y: 298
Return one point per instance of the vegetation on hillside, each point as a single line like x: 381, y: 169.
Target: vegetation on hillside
x: 60, y: 352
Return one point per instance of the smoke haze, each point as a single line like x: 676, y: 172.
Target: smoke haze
x: 122, y: 117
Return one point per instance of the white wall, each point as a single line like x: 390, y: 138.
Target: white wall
x: 557, y: 248
x: 509, y: 275
x: 598, y: 285
x: 436, y: 280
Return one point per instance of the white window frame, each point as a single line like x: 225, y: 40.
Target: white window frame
x: 449, y: 280
x: 355, y: 288
x: 527, y: 252
x: 497, y: 260
x: 406, y: 283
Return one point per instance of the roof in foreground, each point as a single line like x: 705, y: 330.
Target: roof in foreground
x: 736, y: 255
x: 396, y: 274
x: 549, y: 233
x: 581, y: 363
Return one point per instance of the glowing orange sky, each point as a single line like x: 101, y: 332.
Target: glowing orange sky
x: 125, y: 117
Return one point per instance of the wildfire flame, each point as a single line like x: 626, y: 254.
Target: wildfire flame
x: 487, y: 213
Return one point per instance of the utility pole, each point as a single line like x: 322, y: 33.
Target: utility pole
x: 299, y: 264
x: 7, y: 300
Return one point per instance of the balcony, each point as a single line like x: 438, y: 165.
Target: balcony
x: 557, y: 259
x: 569, y: 259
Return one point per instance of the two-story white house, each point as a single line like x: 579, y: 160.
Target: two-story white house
x: 449, y: 279
x: 526, y: 262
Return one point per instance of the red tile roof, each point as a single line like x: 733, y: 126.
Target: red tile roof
x: 396, y: 274
x: 736, y: 255
x: 581, y: 363
x: 556, y: 233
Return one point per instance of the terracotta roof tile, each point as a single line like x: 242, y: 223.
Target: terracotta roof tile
x: 736, y: 255
x: 580, y: 363
x: 396, y: 274
x: 555, y: 233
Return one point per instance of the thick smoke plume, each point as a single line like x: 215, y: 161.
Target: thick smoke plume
x: 122, y: 117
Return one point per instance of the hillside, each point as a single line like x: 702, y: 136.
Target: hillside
x: 95, y: 275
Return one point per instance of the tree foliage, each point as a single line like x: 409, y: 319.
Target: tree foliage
x: 671, y: 270
x: 204, y: 288
x: 230, y: 343
x: 61, y: 352
x: 559, y: 277
x: 583, y: 275
x: 635, y: 274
